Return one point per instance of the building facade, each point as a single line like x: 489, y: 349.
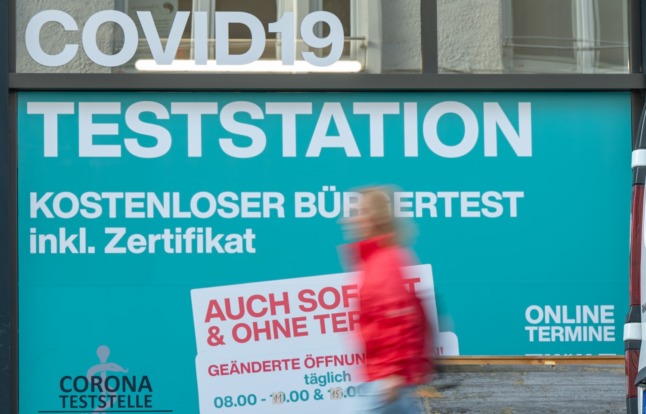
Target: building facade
x: 176, y: 172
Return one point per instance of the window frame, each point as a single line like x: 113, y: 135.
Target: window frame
x: 428, y: 80
x: 582, y: 61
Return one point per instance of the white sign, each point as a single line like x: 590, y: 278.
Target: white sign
x: 285, y: 29
x: 287, y: 346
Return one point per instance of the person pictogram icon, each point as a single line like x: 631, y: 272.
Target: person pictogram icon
x: 103, y: 352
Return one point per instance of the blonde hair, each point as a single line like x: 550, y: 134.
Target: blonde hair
x: 380, y: 213
x: 377, y: 203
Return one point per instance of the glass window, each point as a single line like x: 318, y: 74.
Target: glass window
x: 533, y: 36
x: 182, y: 35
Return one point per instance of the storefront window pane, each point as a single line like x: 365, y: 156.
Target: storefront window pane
x: 132, y: 36
x: 533, y: 36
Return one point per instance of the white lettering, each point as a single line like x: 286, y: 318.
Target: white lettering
x: 258, y: 38
x: 494, y: 118
x: 468, y: 140
x: 334, y: 39
x: 50, y: 112
x: 257, y: 136
x: 376, y: 111
x: 248, y: 120
x: 332, y: 112
x: 130, y: 38
x: 288, y: 111
x: 161, y: 56
x: 160, y: 134
x: 88, y: 129
x: 194, y: 111
x: 32, y: 38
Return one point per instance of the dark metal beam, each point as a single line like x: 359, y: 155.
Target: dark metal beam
x: 635, y: 36
x: 323, y: 82
x: 636, y: 54
x: 7, y: 328
x: 428, y: 11
x: 9, y: 20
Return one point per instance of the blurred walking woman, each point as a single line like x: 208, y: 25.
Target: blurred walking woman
x: 393, y: 329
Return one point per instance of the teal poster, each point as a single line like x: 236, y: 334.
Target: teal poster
x: 182, y: 252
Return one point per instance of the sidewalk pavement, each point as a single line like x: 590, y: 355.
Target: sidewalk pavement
x: 526, y: 389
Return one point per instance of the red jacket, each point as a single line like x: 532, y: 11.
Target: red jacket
x: 392, y: 323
